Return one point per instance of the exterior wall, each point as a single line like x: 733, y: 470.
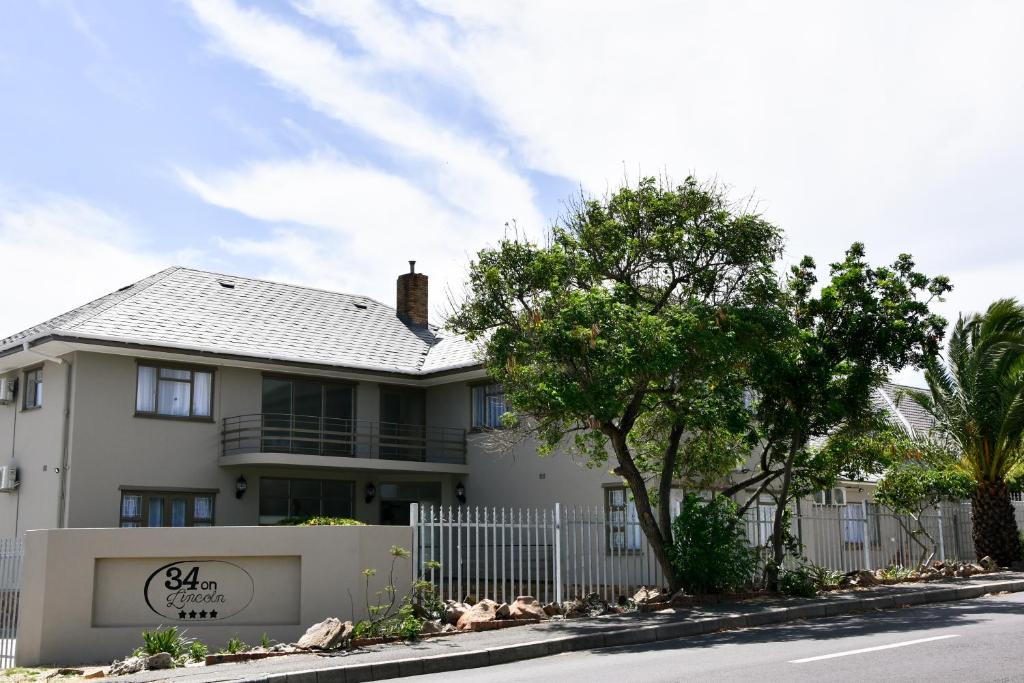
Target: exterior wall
x: 85, y: 591
x: 112, y: 448
x: 32, y: 440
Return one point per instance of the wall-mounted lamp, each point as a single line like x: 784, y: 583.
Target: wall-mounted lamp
x: 370, y: 491
x: 240, y: 486
x: 460, y: 493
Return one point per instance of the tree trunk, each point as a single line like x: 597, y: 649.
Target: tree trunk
x: 648, y: 524
x: 995, y: 528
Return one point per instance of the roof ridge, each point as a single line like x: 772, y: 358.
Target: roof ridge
x: 131, y: 291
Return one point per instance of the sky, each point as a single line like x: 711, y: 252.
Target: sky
x: 327, y: 143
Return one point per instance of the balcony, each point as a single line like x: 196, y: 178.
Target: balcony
x: 309, y: 441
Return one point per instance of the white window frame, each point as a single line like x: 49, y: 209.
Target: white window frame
x: 834, y: 496
x: 491, y: 397
x: 159, y: 369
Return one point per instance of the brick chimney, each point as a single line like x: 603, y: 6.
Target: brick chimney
x: 412, y: 296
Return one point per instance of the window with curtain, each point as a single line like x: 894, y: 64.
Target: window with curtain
x: 174, y: 392
x: 34, y: 388
x: 488, y: 406
x: 624, y: 532
x: 166, y: 508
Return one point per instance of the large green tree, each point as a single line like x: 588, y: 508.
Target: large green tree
x: 822, y: 355
x: 619, y: 334
x: 977, y: 399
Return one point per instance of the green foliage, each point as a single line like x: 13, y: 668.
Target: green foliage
x: 798, y: 582
x: 234, y: 646
x: 824, y: 578
x: 319, y: 521
x: 913, y: 485
x: 197, y: 651
x: 265, y: 641
x: 710, y: 553
x: 391, y: 616
x: 168, y: 640
x: 895, y: 572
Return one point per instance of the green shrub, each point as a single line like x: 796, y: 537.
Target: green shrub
x: 824, y: 577
x: 798, y: 583
x: 197, y: 651
x: 710, y: 550
x: 895, y: 572
x: 167, y: 640
x: 319, y: 521
x: 234, y: 646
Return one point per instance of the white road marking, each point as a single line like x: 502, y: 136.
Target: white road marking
x: 870, y: 649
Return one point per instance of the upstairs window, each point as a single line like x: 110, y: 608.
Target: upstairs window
x: 488, y: 406
x: 174, y: 392
x: 34, y: 389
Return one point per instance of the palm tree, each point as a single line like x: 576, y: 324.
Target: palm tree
x: 977, y: 400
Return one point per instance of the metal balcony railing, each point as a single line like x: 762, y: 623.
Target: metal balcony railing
x: 311, y: 435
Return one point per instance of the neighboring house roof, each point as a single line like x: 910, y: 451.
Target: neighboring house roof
x: 195, y: 310
x: 903, y: 410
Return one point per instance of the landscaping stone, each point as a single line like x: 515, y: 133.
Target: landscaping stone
x: 988, y: 563
x: 95, y: 673
x: 527, y: 607
x: 454, y: 611
x: 866, y: 578
x: 483, y: 611
x: 553, y: 609
x: 66, y: 672
x: 430, y: 627
x: 161, y: 660
x: 503, y: 611
x: 329, y: 634
x: 127, y: 666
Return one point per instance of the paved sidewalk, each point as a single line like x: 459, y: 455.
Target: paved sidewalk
x: 470, y: 650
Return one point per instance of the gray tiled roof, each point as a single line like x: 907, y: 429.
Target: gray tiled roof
x: 190, y: 309
x: 909, y: 412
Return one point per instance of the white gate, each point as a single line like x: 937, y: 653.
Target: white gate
x: 11, y: 553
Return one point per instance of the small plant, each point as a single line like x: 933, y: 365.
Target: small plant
x: 823, y: 577
x: 390, y: 616
x: 798, y: 583
x: 234, y: 646
x: 895, y: 572
x: 197, y: 651
x: 710, y: 550
x: 167, y: 640
x: 265, y: 641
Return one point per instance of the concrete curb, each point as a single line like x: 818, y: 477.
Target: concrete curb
x: 632, y: 635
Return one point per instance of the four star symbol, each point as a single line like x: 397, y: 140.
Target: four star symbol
x: 212, y: 614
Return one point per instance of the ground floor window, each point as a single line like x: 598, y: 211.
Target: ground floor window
x: 166, y: 508
x: 624, y: 533
x: 304, y: 498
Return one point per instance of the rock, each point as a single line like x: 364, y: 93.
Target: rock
x: 95, y: 673
x: 914, y: 576
x: 329, y: 634
x: 667, y: 610
x: 650, y: 596
x: 430, y: 627
x: 454, y: 611
x: 485, y: 610
x: 66, y: 672
x: 448, y: 628
x: 976, y: 569
x: 161, y: 660
x: 127, y: 666
x: 527, y: 607
x: 988, y: 563
x: 867, y: 578
x: 552, y: 609
x: 949, y: 572
x: 283, y: 647
x: 938, y: 564
x: 503, y: 611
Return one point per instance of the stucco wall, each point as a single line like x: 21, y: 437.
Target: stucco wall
x: 67, y: 570
x: 32, y: 441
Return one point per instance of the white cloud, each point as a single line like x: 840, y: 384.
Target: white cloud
x: 365, y: 225
x: 60, y: 252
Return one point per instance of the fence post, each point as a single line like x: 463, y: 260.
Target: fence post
x: 865, y: 537
x: 942, y: 540
x: 557, y: 521
x: 414, y: 522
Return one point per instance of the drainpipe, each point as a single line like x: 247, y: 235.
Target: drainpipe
x: 66, y: 428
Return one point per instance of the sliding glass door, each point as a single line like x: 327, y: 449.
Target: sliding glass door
x: 308, y: 417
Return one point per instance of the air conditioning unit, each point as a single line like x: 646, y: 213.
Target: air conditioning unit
x: 7, y: 389
x: 8, y: 478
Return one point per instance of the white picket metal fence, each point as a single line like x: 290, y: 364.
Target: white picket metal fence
x: 11, y: 554
x: 553, y: 554
x: 567, y: 552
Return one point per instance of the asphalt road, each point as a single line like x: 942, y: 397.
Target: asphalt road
x: 970, y: 640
